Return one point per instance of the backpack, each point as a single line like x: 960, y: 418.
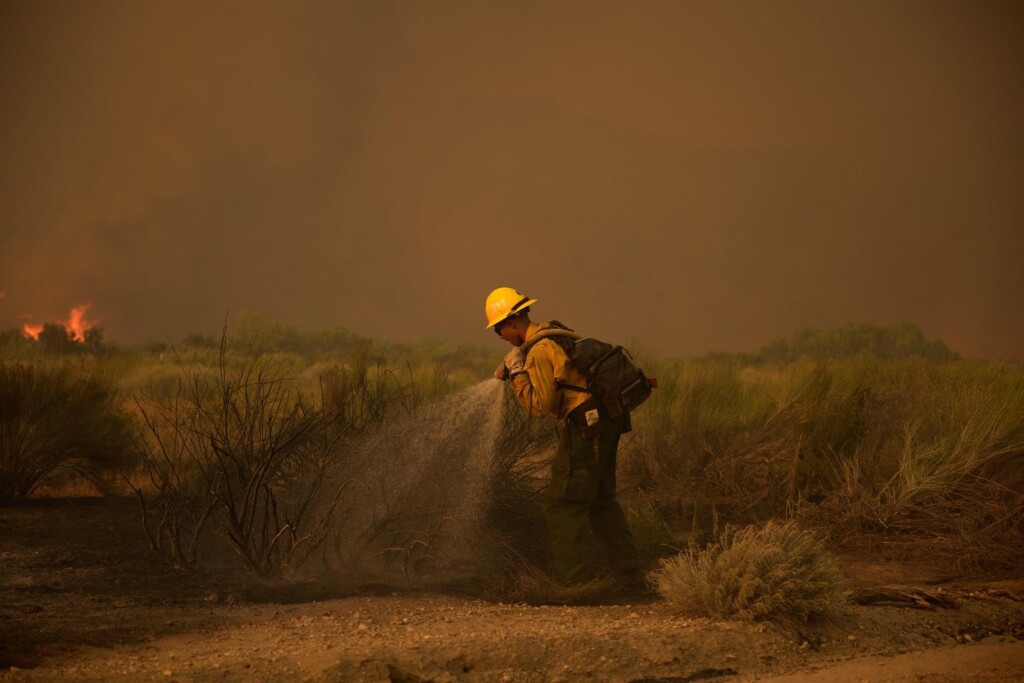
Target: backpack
x: 612, y: 376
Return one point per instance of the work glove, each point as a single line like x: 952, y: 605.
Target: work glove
x: 514, y: 364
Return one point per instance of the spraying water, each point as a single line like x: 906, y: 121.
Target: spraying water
x: 415, y: 490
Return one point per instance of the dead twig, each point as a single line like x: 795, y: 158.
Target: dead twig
x: 903, y: 596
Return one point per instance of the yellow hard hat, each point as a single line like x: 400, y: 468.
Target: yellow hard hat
x: 504, y: 302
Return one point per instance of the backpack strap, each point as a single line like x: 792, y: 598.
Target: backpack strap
x: 546, y: 333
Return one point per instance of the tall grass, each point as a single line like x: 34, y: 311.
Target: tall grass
x: 933, y: 453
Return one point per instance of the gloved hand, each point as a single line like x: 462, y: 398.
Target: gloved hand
x: 501, y: 372
x: 514, y: 364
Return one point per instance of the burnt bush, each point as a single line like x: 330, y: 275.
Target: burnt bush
x: 177, y: 473
x: 58, y: 418
x: 241, y: 442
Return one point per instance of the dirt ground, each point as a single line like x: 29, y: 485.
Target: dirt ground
x: 82, y: 598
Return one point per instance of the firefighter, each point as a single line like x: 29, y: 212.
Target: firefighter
x: 581, y: 488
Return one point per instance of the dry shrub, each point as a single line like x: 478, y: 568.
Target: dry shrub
x: 515, y: 540
x: 239, y: 440
x: 175, y: 468
x: 55, y: 417
x: 362, y: 394
x: 777, y: 573
x: 416, y: 482
x: 518, y: 473
x: 534, y: 586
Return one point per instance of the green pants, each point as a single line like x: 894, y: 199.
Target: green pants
x: 581, y: 491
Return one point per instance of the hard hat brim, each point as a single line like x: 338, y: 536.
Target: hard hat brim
x: 512, y: 312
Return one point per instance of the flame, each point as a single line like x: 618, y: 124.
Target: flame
x: 76, y: 325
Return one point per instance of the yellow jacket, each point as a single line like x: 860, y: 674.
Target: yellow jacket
x: 547, y: 366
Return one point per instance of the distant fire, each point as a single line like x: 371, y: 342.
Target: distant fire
x: 76, y: 325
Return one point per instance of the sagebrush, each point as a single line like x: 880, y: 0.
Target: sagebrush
x: 776, y: 573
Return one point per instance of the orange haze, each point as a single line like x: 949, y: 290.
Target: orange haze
x: 692, y: 175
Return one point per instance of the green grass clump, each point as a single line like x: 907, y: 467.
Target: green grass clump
x: 775, y: 573
x: 652, y: 534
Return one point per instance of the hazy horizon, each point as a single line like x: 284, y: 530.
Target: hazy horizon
x: 694, y: 176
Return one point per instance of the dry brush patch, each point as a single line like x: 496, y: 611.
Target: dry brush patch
x: 776, y: 573
x: 239, y: 441
x: 54, y: 417
x: 926, y: 455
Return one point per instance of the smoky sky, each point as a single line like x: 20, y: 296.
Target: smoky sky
x: 689, y: 175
